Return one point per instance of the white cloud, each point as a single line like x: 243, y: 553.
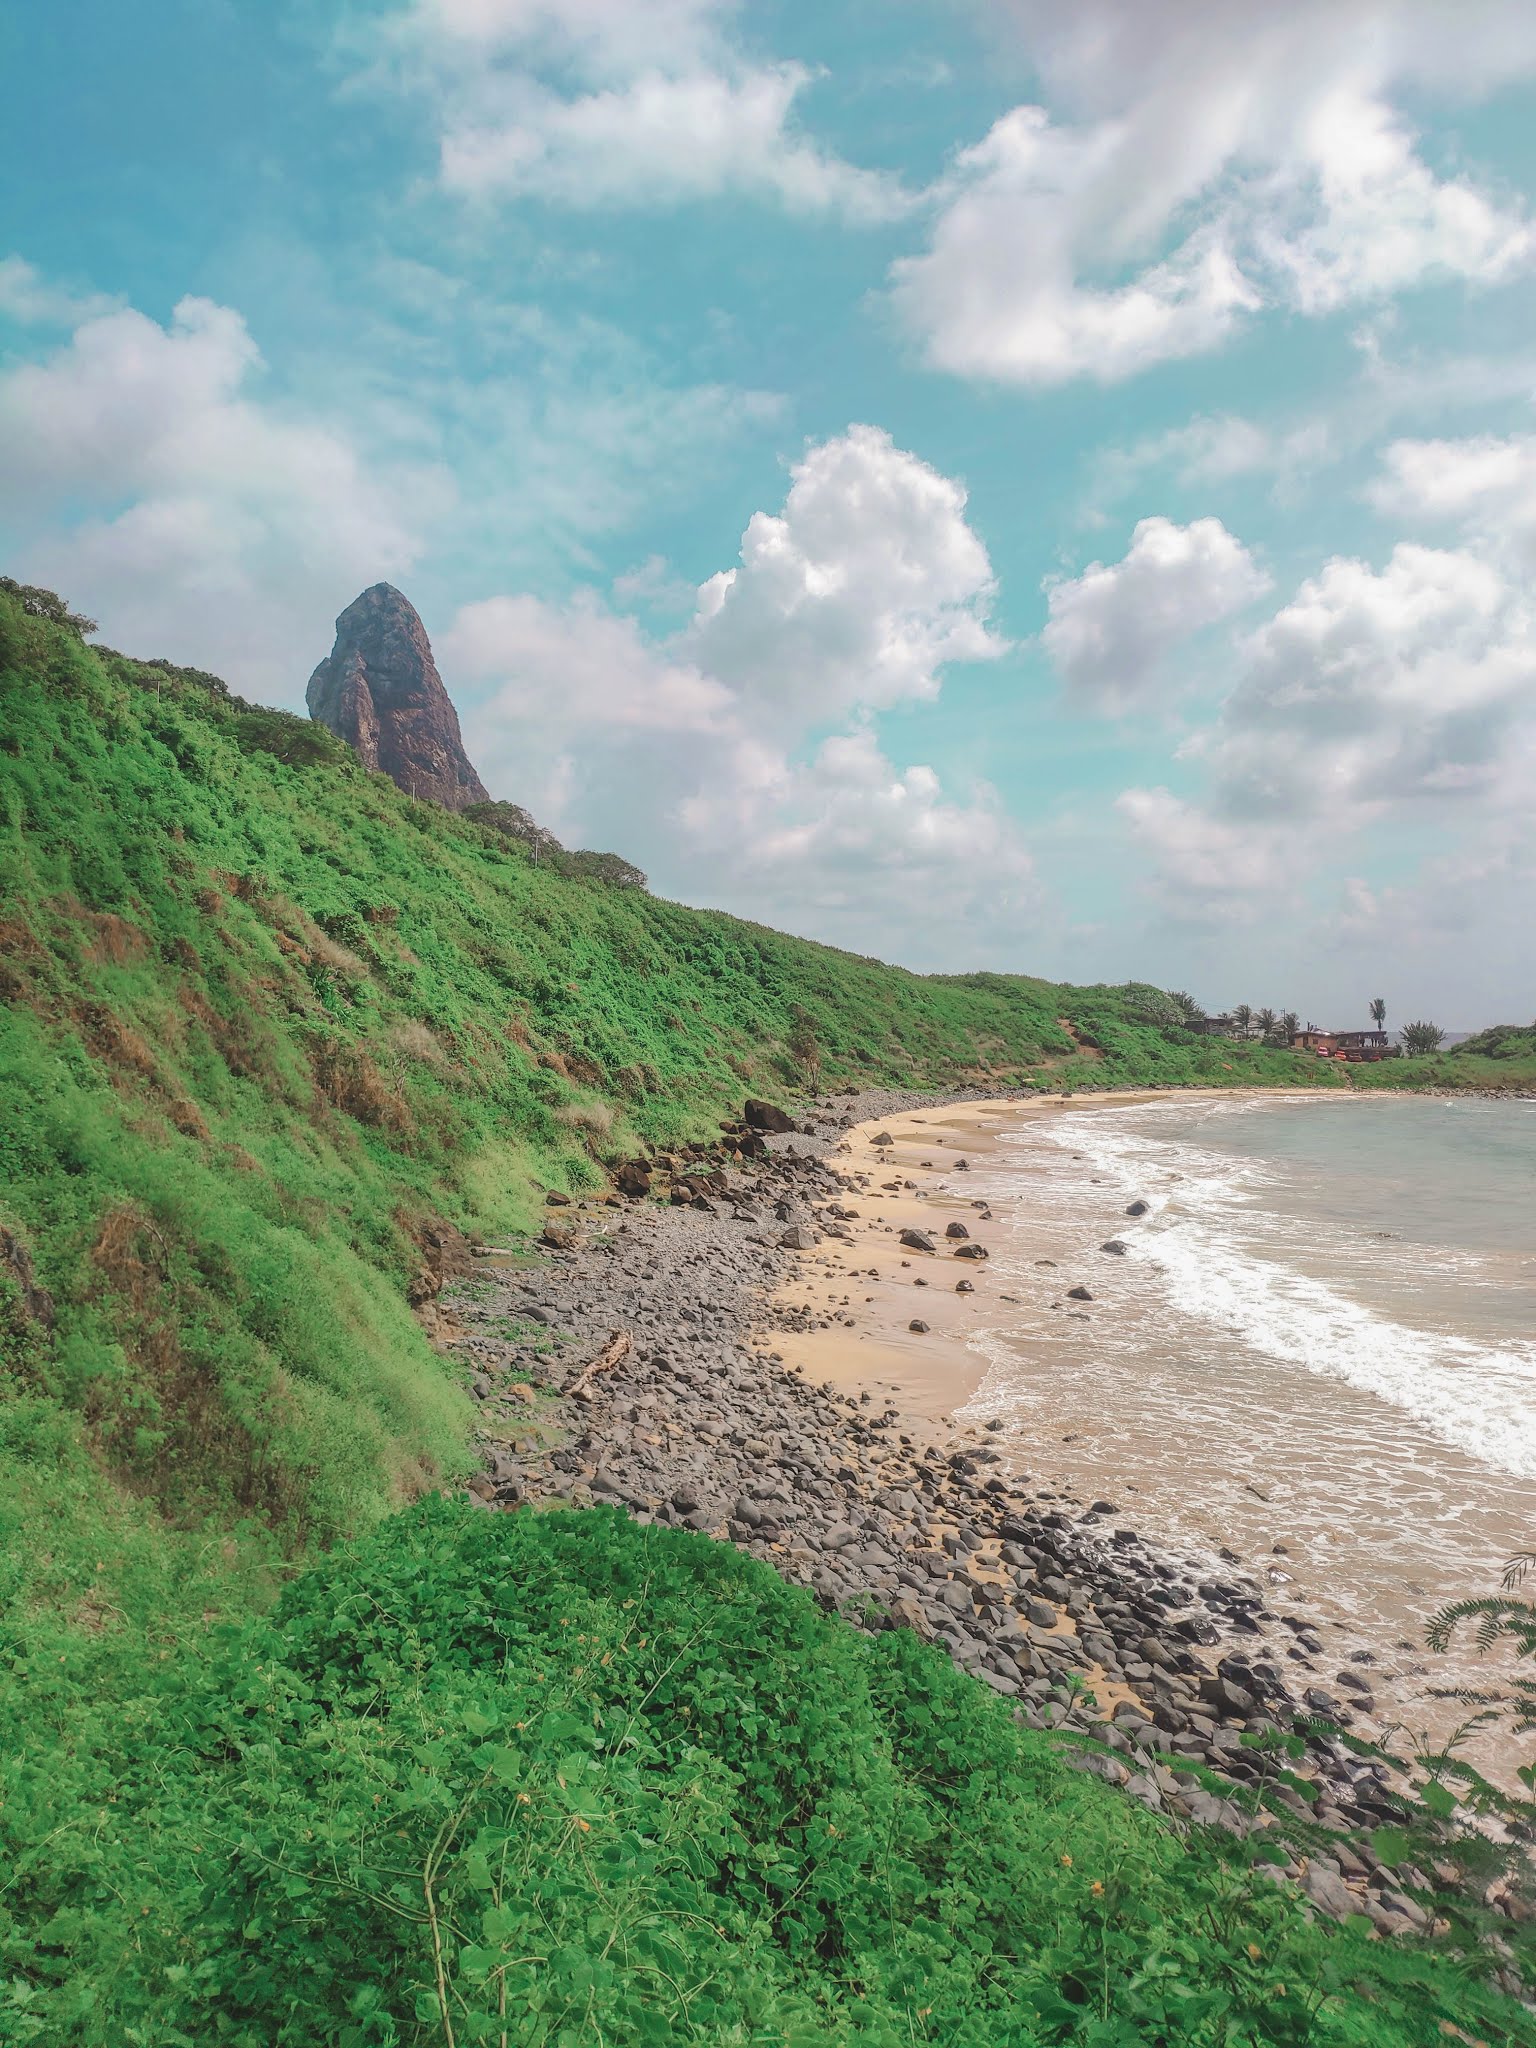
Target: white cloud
x: 688, y: 755
x: 1111, y: 629
x: 858, y: 852
x: 856, y: 594
x: 1372, y: 218
x: 1374, y: 696
x: 1215, y: 448
x: 1483, y: 483
x: 1378, y: 687
x: 1197, y: 164
x: 999, y: 291
x: 151, y: 473
x: 192, y: 519
x: 577, y: 665
x: 30, y: 299
x: 601, y: 103
x: 1208, y: 866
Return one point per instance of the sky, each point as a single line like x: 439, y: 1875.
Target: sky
x: 983, y: 483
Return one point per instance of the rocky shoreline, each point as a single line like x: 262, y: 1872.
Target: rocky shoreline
x: 1192, y: 1686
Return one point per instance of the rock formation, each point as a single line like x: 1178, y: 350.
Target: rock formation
x: 379, y: 690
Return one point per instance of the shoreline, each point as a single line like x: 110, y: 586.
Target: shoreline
x: 1008, y: 1351
x: 773, y: 1397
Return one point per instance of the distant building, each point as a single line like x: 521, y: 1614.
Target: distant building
x: 1353, y: 1046
x: 1217, y: 1027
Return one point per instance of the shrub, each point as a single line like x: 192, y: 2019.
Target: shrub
x: 561, y: 1780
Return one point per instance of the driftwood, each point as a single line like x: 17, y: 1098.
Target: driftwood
x: 613, y: 1351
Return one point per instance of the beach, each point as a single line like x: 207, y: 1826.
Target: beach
x: 761, y: 1383
x: 1365, y: 1511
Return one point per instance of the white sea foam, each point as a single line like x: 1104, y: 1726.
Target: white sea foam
x: 1231, y: 1248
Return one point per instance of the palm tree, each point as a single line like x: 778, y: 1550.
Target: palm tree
x: 1288, y: 1026
x: 1242, y: 1017
x: 1379, y: 1012
x: 1265, y: 1020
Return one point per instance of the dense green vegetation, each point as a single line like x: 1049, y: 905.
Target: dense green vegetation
x: 267, y: 1022
x: 268, y: 1029
x: 1500, y: 1042
x: 1502, y: 1058
x: 562, y: 1780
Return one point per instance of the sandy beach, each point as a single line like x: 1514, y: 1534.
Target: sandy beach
x: 873, y: 1287
x: 843, y: 1318
x: 772, y: 1394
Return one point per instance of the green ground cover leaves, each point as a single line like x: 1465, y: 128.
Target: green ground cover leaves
x: 558, y: 1779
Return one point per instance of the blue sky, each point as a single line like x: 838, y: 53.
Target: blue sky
x: 990, y: 485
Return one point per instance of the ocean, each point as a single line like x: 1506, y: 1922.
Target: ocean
x: 1318, y: 1347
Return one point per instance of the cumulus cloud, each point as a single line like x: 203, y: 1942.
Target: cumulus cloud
x: 856, y: 594
x: 192, y: 518
x: 691, y: 754
x: 1196, y: 164
x: 1111, y: 630
x: 867, y: 855
x: 1483, y: 483
x: 600, y: 103
x: 1373, y: 696
x: 999, y: 292
x: 1375, y: 687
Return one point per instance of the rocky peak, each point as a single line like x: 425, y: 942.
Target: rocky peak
x: 379, y: 690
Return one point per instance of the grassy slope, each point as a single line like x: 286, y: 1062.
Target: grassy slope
x: 265, y: 1019
x: 1501, y: 1058
x: 263, y: 1022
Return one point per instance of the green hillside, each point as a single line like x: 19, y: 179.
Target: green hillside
x: 268, y: 1022
x: 1502, y: 1057
x: 269, y: 1031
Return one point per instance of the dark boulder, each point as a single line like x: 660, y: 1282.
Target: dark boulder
x: 767, y: 1116
x: 956, y: 1230
x: 918, y: 1241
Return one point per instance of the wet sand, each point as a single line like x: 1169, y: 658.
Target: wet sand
x: 1309, y: 1533
x: 888, y: 1286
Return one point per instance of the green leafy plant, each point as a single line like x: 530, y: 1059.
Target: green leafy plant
x: 1500, y: 1618
x: 567, y: 1782
x: 1420, y: 1038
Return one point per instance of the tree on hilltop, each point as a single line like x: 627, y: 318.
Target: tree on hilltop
x: 38, y: 603
x: 1242, y: 1017
x: 1379, y: 1012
